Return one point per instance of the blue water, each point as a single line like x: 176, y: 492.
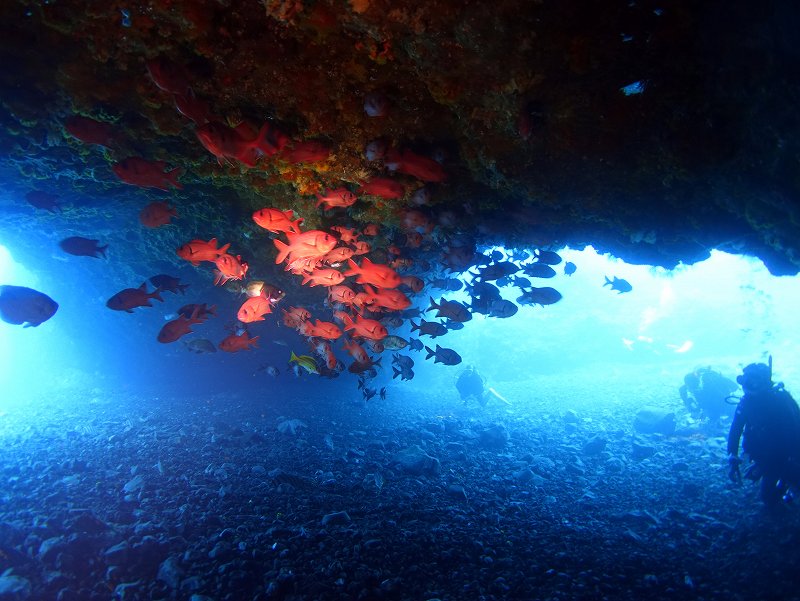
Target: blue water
x: 99, y: 419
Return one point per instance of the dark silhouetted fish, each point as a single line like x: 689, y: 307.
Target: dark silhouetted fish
x: 43, y: 200
x: 540, y: 296
x: 200, y: 346
x: 443, y: 355
x: 431, y: 328
x: 548, y: 257
x: 169, y: 283
x: 618, y: 284
x: 83, y: 247
x: 502, y: 308
x: 539, y: 270
x: 21, y: 305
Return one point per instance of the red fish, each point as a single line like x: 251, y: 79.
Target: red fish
x: 229, y: 268
x: 168, y: 76
x: 277, y: 221
x: 415, y: 165
x: 324, y: 277
x: 356, y: 351
x: 394, y: 300
x: 384, y: 187
x: 130, y: 298
x: 199, y: 250
x: 338, y: 255
x: 43, y: 200
x: 364, y: 328
x: 240, y: 143
x: 371, y: 229
x: 416, y: 284
x: 157, y: 214
x: 312, y: 243
x: 234, y: 343
x: 192, y: 107
x: 176, y: 328
x: 293, y: 317
x: 341, y: 294
x: 339, y: 197
x: 254, y: 309
x: 309, y: 151
x: 147, y: 174
x: 373, y: 273
x: 83, y: 247
x: 90, y: 131
x: 320, y: 329
x: 225, y: 143
x: 414, y: 220
x: 346, y: 235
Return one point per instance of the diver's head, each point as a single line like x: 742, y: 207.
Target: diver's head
x: 755, y: 377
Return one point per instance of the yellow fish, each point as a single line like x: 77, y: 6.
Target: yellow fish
x: 306, y: 362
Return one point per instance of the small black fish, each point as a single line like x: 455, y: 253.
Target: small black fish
x: 540, y: 296
x: 618, y: 284
x: 83, y: 247
x: 540, y: 270
x: 569, y: 268
x: 415, y: 344
x: 443, y: 355
x: 548, y: 257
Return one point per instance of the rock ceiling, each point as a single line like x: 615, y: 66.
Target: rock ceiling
x: 652, y: 130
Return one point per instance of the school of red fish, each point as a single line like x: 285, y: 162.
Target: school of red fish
x: 365, y: 297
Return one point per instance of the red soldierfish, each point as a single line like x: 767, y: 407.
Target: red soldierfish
x: 384, y: 187
x: 309, y: 151
x: 176, y: 328
x: 364, y: 328
x: 147, y: 174
x: 130, y: 298
x: 199, y: 250
x: 415, y: 165
x: 254, y: 309
x: 339, y: 197
x: 234, y: 343
x: 168, y: 76
x: 229, y: 268
x: 277, y: 221
x: 373, y: 273
x: 157, y: 214
x: 90, y: 131
x: 320, y: 329
x: 240, y: 143
x: 312, y: 243
x: 323, y: 277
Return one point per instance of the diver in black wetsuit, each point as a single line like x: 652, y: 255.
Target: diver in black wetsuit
x: 470, y: 385
x: 769, y: 419
x: 705, y: 392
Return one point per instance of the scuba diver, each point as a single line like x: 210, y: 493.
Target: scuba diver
x: 470, y: 385
x: 705, y: 393
x: 769, y: 418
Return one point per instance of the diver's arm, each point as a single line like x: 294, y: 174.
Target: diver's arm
x: 735, y: 434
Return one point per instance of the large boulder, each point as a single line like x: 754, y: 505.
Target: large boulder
x: 413, y: 460
x: 652, y: 420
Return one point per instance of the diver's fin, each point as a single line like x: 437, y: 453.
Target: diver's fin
x: 495, y: 393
